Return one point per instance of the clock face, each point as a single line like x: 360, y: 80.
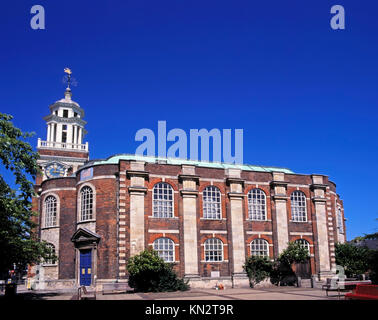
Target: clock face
x: 54, y: 170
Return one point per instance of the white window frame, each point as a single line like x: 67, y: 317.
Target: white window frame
x: 298, y: 206
x: 304, y: 243
x: 163, y: 202
x: 213, y: 250
x: 50, y: 211
x: 259, y: 248
x: 212, y: 203
x: 80, y: 203
x: 50, y: 262
x: 165, y: 248
x: 340, y: 224
x: 257, y: 205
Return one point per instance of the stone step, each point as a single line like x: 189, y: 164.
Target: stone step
x: 306, y: 283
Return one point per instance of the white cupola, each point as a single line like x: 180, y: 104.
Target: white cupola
x: 65, y: 125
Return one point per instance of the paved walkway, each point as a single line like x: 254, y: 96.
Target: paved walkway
x: 274, y: 293
x: 278, y: 293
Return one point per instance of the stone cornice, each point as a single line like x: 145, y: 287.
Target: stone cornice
x: 47, y: 158
x: 191, y: 193
x: 318, y: 186
x: 53, y: 117
x: 280, y: 197
x: 319, y: 199
x: 137, y: 190
x: 60, y: 104
x: 236, y: 195
x: 85, y: 235
x: 188, y: 177
x: 230, y: 180
x: 279, y: 183
x: 137, y: 173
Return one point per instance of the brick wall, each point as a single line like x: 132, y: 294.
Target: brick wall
x: 113, y: 200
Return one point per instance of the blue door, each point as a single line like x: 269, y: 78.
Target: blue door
x: 85, y: 267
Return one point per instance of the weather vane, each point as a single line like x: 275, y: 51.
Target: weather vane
x: 71, y: 81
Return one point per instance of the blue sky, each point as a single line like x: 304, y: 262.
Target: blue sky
x: 304, y: 94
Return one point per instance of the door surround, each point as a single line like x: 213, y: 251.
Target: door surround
x: 85, y: 239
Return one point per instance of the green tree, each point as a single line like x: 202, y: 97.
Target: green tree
x: 294, y: 253
x: 282, y: 273
x: 366, y: 236
x: 148, y: 272
x: 17, y: 245
x: 373, y: 266
x: 258, y: 269
x: 354, y: 259
x: 371, y: 236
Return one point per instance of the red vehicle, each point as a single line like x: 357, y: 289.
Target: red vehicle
x: 363, y: 292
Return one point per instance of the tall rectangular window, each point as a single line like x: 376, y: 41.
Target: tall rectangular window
x: 340, y: 221
x: 162, y: 200
x: 211, y: 203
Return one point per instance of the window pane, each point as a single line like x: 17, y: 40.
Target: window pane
x: 298, y: 206
x: 260, y: 247
x: 256, y: 204
x: 86, y: 203
x: 165, y: 248
x: 211, y: 203
x: 304, y: 243
x: 50, y: 211
x: 340, y: 221
x: 213, y: 250
x: 163, y: 201
x: 52, y: 248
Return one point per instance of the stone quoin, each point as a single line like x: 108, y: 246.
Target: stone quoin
x: 205, y: 217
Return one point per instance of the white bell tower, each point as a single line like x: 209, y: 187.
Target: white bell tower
x: 63, y: 151
x: 65, y: 125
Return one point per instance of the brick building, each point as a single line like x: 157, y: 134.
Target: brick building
x: 205, y: 217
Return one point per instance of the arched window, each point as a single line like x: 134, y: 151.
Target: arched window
x: 211, y: 203
x: 86, y: 203
x: 256, y: 204
x: 340, y: 224
x: 50, y: 211
x: 165, y: 248
x: 260, y: 247
x: 52, y: 250
x: 213, y: 250
x: 163, y: 200
x: 304, y: 243
x: 298, y: 206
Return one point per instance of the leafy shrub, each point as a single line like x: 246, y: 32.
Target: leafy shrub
x: 258, y: 269
x: 282, y: 272
x: 373, y: 267
x: 148, y: 272
x: 294, y: 253
x: 354, y: 259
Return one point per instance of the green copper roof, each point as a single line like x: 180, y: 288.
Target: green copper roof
x: 174, y: 161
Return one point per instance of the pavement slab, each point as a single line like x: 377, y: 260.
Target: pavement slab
x: 269, y: 293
